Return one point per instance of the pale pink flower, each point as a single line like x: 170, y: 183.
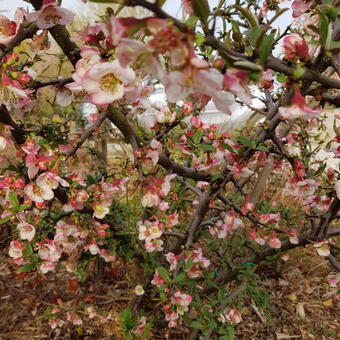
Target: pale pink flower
x: 236, y: 82
x: 293, y: 236
x: 153, y: 245
x: 187, y: 7
x: 157, y: 280
x: 9, y: 28
x: 50, y: 179
x: 50, y: 15
x: 105, y: 82
x: 172, y: 259
x: 298, y: 108
x: 26, y: 231
x: 92, y: 248
x: 301, y: 6
x: 150, y: 199
x: 322, y: 248
x: 37, y: 193
x: 104, y: 253
x: 274, y: 242
x: 182, y: 301
x: 100, y: 210
x: 74, y: 318
x: 295, y: 46
x: 139, y: 290
x: 16, y: 251
x: 46, y: 267
x: 230, y: 316
x: 141, y: 326
x: 49, y: 251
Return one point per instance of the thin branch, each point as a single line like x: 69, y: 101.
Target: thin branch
x: 87, y: 134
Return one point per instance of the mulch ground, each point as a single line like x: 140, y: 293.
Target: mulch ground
x: 302, y: 305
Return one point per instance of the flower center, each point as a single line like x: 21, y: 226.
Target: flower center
x: 109, y: 82
x: 51, y: 15
x: 37, y: 190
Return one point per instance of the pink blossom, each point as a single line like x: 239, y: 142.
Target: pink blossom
x: 187, y: 7
x: 46, y: 267
x: 105, y: 82
x: 150, y: 199
x: 157, y: 280
x: 153, y: 245
x: 298, y: 108
x: 104, y: 253
x: 50, y: 15
x: 182, y: 301
x: 274, y: 242
x: 50, y: 179
x: 26, y: 230
x: 322, y: 248
x: 100, y: 210
x: 74, y: 318
x: 235, y: 81
x: 230, y: 316
x: 172, y: 259
x: 141, y: 327
x: 16, y: 251
x: 301, y: 6
x: 49, y: 251
x: 295, y: 47
x: 9, y: 28
x: 293, y: 236
x: 37, y: 193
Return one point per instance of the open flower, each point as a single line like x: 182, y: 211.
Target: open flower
x: 301, y: 6
x: 105, y: 82
x: 37, y: 193
x: 50, y: 15
x: 27, y: 231
x: 295, y: 47
x: 298, y: 108
x: 9, y: 28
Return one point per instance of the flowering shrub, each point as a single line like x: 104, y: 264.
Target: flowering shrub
x: 200, y: 207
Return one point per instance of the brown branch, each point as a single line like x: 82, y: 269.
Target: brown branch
x: 24, y: 33
x: 18, y: 133
x: 87, y: 134
x: 57, y: 82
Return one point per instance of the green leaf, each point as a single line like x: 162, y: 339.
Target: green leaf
x: 245, y: 141
x: 23, y: 207
x: 248, y: 15
x: 207, y: 147
x: 237, y: 35
x: 265, y: 48
x: 26, y: 268
x: 201, y: 10
x: 334, y: 45
x: 6, y: 219
x: 14, y: 200
x: 197, y: 137
x: 163, y: 273
x: 262, y: 148
x: 298, y: 73
x: 196, y: 324
x: 324, y: 30
x: 189, y: 264
x: 179, y: 278
x: 192, y: 21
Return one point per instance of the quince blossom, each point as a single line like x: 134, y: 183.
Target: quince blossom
x: 301, y: 6
x: 26, y: 231
x: 230, y: 316
x: 37, y: 193
x: 322, y: 248
x: 104, y: 82
x: 50, y: 15
x: 9, y: 28
x: 16, y: 251
x: 298, y: 108
x: 295, y: 47
x: 182, y: 301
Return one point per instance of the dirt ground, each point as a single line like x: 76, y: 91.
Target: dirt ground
x: 303, y: 304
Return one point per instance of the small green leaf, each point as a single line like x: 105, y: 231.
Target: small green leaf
x: 197, y: 137
x: 262, y: 148
x: 265, y: 48
x: 245, y: 141
x: 298, y: 73
x: 14, y: 200
x: 6, y: 219
x: 27, y: 268
x: 179, y: 278
x: 201, y: 9
x: 163, y: 273
x: 207, y: 147
x: 196, y: 324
